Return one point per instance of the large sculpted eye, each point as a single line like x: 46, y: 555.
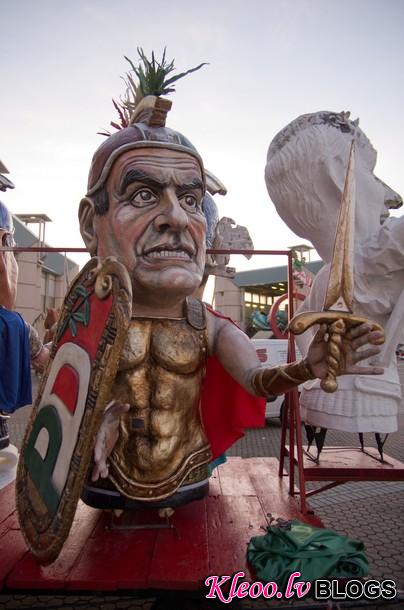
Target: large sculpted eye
x: 189, y: 202
x: 143, y: 197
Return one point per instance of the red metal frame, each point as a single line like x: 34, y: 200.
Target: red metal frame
x: 358, y: 465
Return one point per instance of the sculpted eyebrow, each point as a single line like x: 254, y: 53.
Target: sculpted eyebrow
x: 195, y: 184
x: 135, y: 175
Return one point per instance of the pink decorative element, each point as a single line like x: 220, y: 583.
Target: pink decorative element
x: 302, y: 279
x: 262, y: 354
x: 255, y: 589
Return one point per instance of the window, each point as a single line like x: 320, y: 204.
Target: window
x: 48, y: 289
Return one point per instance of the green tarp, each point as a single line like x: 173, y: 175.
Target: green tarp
x: 314, y: 552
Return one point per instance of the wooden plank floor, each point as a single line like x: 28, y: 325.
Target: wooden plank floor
x: 208, y: 537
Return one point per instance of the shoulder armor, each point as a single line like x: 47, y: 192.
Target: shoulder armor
x: 195, y: 313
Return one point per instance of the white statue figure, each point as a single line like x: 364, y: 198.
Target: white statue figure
x: 305, y: 172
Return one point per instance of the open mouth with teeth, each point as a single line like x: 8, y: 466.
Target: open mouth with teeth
x: 165, y: 254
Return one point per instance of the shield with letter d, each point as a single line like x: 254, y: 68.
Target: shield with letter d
x: 67, y: 413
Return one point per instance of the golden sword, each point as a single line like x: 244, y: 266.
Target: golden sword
x: 338, y: 305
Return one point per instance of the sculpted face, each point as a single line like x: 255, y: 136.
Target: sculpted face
x: 155, y: 225
x: 374, y: 197
x: 305, y: 181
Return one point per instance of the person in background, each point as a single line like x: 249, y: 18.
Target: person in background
x: 20, y: 344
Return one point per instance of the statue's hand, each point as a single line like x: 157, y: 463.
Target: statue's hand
x: 106, y: 438
x: 354, y: 338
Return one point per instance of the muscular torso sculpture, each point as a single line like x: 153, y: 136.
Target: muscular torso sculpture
x: 161, y: 442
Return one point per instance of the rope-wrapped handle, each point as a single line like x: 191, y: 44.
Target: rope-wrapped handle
x: 336, y: 332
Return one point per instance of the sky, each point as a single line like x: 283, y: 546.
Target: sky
x: 269, y: 62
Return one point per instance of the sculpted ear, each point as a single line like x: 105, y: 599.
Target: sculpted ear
x: 335, y: 172
x: 87, y: 229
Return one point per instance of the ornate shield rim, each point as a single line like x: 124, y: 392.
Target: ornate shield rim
x: 45, y: 534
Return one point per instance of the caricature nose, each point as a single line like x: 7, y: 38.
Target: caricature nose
x: 391, y: 198
x: 172, y: 215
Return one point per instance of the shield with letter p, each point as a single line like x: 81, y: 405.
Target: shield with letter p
x: 67, y: 413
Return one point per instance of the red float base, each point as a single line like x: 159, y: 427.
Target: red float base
x: 207, y: 537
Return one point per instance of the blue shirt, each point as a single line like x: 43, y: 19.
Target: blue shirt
x: 15, y: 370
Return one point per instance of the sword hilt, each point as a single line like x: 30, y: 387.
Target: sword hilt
x: 336, y: 331
x: 338, y: 324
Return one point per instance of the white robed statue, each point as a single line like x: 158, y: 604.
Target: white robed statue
x: 305, y: 174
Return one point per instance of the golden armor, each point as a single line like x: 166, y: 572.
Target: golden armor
x: 161, y: 444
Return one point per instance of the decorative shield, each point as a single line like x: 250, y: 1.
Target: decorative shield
x: 67, y: 413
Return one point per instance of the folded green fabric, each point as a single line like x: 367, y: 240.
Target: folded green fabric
x: 312, y: 551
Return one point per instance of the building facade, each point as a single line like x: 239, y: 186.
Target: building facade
x: 43, y: 277
x: 254, y: 292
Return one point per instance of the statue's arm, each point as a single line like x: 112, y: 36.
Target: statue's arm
x: 234, y: 350
x: 8, y: 280
x: 238, y: 356
x: 39, y: 352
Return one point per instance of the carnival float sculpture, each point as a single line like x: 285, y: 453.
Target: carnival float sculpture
x: 316, y: 161
x: 145, y: 385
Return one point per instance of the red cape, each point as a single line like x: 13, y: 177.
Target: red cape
x: 226, y: 407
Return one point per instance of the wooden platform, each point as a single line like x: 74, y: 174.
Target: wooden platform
x: 345, y: 464
x: 209, y: 537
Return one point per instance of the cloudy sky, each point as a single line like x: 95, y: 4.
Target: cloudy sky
x: 270, y: 61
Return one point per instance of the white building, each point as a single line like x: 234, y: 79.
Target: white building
x: 43, y: 277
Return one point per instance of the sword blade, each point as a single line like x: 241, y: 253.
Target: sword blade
x: 339, y: 295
